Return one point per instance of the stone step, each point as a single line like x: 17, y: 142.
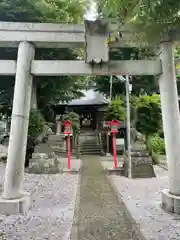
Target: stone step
x: 90, y: 150
x: 115, y: 171
x: 91, y: 153
x: 55, y: 137
x: 90, y: 147
x: 89, y: 143
x: 139, y: 154
x: 143, y: 171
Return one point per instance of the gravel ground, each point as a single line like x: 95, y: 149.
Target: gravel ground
x: 100, y: 215
x: 51, y: 216
x: 143, y: 200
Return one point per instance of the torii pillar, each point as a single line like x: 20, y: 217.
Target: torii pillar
x: 171, y: 126
x: 14, y: 199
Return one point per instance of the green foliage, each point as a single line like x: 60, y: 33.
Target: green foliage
x: 116, y: 111
x: 148, y: 114
x: 42, y: 10
x: 36, y: 123
x: 103, y: 85
x: 49, y: 89
x: 74, y: 118
x: 157, y: 144
x: 155, y: 17
x: 140, y: 84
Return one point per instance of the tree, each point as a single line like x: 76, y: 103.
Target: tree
x: 155, y: 17
x: 74, y: 118
x: 148, y: 115
x: 52, y: 89
x: 116, y: 110
x: 36, y: 123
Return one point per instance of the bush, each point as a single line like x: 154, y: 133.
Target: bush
x: 157, y: 144
x: 36, y: 123
x: 74, y: 118
x: 148, y: 115
x: 36, y: 127
x: 116, y: 111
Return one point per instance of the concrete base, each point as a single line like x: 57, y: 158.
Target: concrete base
x: 15, y: 206
x: 108, y: 155
x: 170, y: 203
x: 115, y: 171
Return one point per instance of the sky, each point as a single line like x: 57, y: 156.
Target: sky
x: 91, y: 13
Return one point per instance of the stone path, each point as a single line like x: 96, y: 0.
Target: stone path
x: 100, y: 215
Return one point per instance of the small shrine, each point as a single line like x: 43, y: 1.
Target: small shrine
x: 90, y: 108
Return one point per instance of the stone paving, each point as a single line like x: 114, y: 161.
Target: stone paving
x: 100, y: 215
x: 143, y: 200
x: 51, y: 216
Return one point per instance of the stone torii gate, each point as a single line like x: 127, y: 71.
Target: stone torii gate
x: 93, y: 35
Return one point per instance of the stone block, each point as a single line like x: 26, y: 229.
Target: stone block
x: 15, y: 206
x: 170, y: 202
x: 43, y: 164
x: 96, y: 48
x: 142, y: 166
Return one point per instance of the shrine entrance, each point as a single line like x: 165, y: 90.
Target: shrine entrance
x: 87, y: 117
x: 90, y: 108
x: 97, y: 38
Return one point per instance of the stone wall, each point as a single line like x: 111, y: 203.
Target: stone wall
x: 43, y: 163
x: 141, y: 162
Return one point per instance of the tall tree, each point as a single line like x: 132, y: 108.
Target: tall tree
x: 155, y: 17
x: 53, y: 89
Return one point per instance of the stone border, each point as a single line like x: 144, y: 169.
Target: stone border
x: 136, y: 230
x: 170, y: 203
x: 72, y: 171
x: 16, y: 206
x: 74, y: 230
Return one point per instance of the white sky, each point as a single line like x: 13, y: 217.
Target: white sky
x: 91, y: 14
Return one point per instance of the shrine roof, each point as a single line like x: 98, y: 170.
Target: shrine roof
x: 91, y: 97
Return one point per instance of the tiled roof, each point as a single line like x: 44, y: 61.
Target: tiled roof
x: 90, y: 97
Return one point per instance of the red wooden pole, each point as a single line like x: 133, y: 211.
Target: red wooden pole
x: 114, y: 150
x: 69, y: 151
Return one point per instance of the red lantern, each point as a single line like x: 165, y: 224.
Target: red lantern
x: 68, y: 127
x: 114, y: 125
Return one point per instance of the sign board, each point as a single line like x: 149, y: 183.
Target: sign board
x: 120, y: 141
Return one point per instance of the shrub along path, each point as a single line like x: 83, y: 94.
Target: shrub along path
x: 100, y: 215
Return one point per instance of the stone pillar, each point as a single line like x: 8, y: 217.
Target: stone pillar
x: 58, y: 127
x: 14, y: 175
x: 34, y: 96
x: 108, y: 154
x: 171, y: 126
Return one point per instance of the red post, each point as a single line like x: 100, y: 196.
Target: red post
x: 69, y: 151
x: 114, y: 150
